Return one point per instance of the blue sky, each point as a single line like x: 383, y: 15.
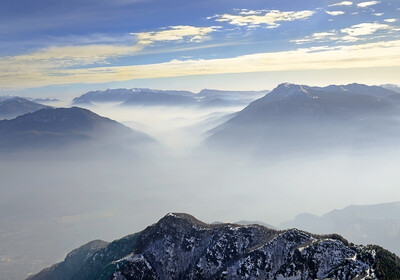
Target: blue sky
x: 64, y: 47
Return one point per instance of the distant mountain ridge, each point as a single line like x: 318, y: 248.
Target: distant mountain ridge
x: 53, y: 128
x: 300, y: 101
x: 122, y: 95
x: 376, y: 224
x: 293, y: 117
x: 392, y: 87
x: 182, y: 247
x: 160, y: 98
x: 12, y: 107
x: 151, y: 97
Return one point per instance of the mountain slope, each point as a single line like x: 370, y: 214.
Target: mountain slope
x: 294, y: 117
x: 150, y: 97
x: 160, y: 98
x: 136, y: 96
x: 66, y: 269
x: 209, y: 98
x: 392, y: 87
x: 182, y: 247
x: 367, y: 224
x: 16, y: 106
x: 54, y: 128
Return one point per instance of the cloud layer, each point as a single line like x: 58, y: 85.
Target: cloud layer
x: 335, y: 13
x: 175, y: 33
x: 383, y: 54
x: 367, y: 4
x: 247, y: 39
x: 269, y: 19
x: 354, y: 33
x: 344, y: 3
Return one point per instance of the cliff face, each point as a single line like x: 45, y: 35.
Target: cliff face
x: 181, y: 247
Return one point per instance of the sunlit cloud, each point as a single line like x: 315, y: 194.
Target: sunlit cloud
x: 382, y: 54
x: 318, y: 37
x: 354, y: 32
x: 362, y: 31
x: 367, y: 4
x: 67, y: 56
x: 390, y: 20
x: 175, y: 33
x: 335, y: 13
x: 61, y: 57
x: 344, y: 3
x: 267, y: 18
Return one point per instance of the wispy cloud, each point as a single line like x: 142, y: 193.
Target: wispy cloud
x: 390, y: 20
x: 365, y: 55
x: 85, y: 51
x: 367, y: 4
x: 267, y: 18
x: 67, y: 56
x: 354, y: 32
x: 362, y: 31
x: 55, y: 60
x: 344, y: 3
x: 175, y: 33
x: 318, y: 37
x: 335, y: 13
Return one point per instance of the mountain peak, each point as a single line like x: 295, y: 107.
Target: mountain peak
x: 287, y: 89
x: 173, y: 249
x: 178, y: 219
x: 15, y: 106
x: 61, y: 115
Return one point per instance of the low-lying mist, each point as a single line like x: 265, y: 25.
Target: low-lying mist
x: 50, y: 207
x: 178, y: 128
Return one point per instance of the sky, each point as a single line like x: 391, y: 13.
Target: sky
x: 61, y: 48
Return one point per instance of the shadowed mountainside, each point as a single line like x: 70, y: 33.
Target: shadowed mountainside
x: 49, y: 128
x: 298, y: 118
x: 15, y: 106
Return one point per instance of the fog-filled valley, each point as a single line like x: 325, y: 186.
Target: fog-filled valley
x: 105, y: 169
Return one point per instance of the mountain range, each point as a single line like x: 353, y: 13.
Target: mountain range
x: 13, y: 107
x: 299, y: 117
x: 150, y: 97
x: 182, y: 247
x: 365, y: 224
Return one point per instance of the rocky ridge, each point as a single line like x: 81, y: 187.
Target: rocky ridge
x: 182, y: 247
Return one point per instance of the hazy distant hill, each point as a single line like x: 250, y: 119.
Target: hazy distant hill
x: 182, y: 247
x: 53, y: 128
x: 109, y: 95
x: 292, y: 117
x: 366, y: 224
x: 230, y: 94
x: 15, y: 106
x: 392, y: 87
x: 206, y: 98
x: 136, y: 96
x: 45, y: 100
x: 222, y: 98
x: 145, y: 97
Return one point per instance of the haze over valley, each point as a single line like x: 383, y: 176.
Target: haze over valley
x: 203, y: 139
x: 72, y: 175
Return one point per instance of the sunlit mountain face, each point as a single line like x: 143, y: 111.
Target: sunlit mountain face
x: 114, y: 113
